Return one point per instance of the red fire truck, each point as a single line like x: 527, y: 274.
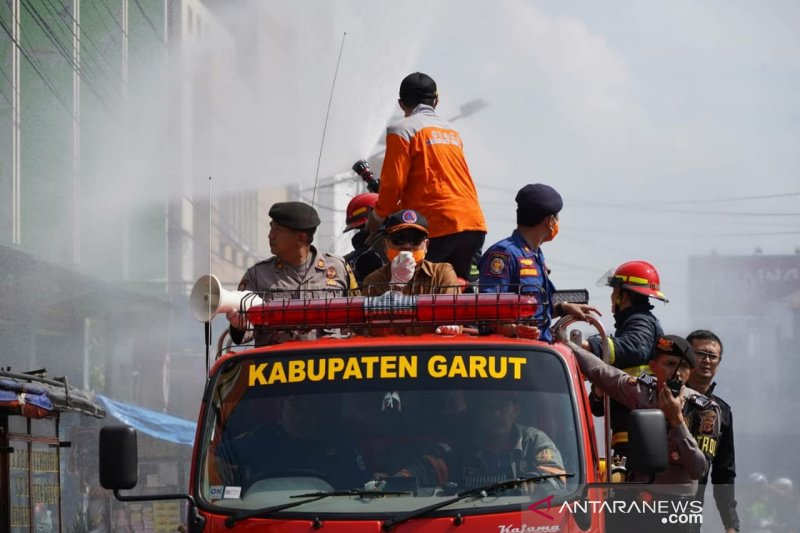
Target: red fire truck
x: 386, y: 426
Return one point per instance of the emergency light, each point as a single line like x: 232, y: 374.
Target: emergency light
x: 392, y: 308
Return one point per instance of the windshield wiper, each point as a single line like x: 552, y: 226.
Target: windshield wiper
x: 356, y: 492
x: 265, y: 512
x: 477, y: 491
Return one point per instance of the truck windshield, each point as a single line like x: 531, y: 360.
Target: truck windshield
x: 419, y: 426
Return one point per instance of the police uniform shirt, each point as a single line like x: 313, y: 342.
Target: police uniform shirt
x: 323, y: 275
x: 511, y: 265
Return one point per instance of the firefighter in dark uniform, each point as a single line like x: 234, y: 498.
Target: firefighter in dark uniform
x: 634, y: 340
x: 367, y: 255
x: 708, y: 348
x: 693, y: 419
x: 296, y: 270
x: 516, y: 264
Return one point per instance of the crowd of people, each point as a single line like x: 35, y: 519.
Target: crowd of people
x: 423, y: 231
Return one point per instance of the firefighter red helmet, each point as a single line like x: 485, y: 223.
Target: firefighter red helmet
x: 637, y: 276
x: 358, y: 210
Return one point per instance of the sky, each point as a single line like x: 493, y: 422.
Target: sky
x: 651, y: 118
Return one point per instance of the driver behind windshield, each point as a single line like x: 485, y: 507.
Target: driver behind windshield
x: 493, y: 449
x: 308, y: 441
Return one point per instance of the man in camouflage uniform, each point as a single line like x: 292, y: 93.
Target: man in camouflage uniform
x: 493, y: 447
x: 693, y: 419
x: 296, y: 270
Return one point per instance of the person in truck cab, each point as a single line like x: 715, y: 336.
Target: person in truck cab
x: 296, y: 269
x: 307, y: 441
x: 492, y: 447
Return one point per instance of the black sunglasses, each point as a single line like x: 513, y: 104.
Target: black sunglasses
x: 414, y: 238
x: 707, y: 355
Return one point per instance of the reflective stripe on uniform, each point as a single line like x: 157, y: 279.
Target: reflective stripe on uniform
x: 620, y: 437
x: 636, y: 371
x: 612, y: 352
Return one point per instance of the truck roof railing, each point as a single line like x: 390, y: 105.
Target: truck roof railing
x: 390, y: 308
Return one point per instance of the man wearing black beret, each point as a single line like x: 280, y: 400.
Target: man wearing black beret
x: 296, y: 268
x: 516, y: 264
x: 693, y: 419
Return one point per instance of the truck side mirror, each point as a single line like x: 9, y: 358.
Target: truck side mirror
x: 647, y: 441
x: 119, y: 458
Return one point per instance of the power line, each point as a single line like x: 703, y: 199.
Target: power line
x: 62, y: 49
x: 82, y: 36
x: 36, y: 69
x: 733, y: 199
x: 112, y: 15
x: 101, y: 18
x: 150, y: 23
x: 670, y: 202
x: 656, y: 210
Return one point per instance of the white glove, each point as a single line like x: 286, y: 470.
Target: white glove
x: 449, y: 330
x: 236, y: 319
x: 403, y: 267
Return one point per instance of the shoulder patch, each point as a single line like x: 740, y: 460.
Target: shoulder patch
x: 647, y: 379
x: 496, y: 264
x: 708, y: 420
x: 242, y: 285
x: 545, y: 455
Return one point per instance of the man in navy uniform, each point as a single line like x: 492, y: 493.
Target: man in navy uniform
x: 516, y: 264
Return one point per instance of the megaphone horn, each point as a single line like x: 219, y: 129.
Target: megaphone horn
x: 209, y: 298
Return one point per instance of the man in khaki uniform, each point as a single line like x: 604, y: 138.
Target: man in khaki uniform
x: 693, y: 420
x: 296, y: 270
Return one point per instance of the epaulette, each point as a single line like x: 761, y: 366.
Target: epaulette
x: 647, y: 379
x: 265, y: 261
x: 334, y: 256
x: 701, y: 401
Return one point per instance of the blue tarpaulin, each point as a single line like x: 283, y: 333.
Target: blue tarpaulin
x: 159, y: 425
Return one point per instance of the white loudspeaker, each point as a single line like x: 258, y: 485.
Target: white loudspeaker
x: 209, y: 299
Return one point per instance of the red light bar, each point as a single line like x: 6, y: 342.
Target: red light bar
x: 393, y: 308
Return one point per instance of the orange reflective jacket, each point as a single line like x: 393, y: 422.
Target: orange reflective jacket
x: 425, y: 170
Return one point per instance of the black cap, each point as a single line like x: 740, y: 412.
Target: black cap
x: 417, y: 87
x: 294, y: 215
x: 405, y: 219
x: 536, y: 201
x: 675, y: 345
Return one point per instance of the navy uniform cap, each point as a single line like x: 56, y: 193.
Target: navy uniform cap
x: 676, y: 345
x: 536, y: 201
x: 294, y: 215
